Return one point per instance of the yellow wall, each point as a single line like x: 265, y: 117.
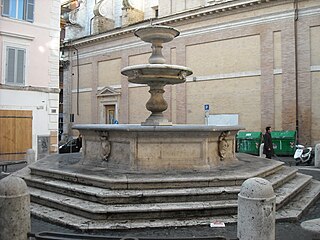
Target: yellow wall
x: 85, y: 76
x: 277, y: 50
x: 315, y: 110
x: 278, y: 102
x: 138, y: 97
x: 230, y: 96
x: 109, y: 72
x: 226, y: 56
x: 84, y: 107
x: 315, y: 83
x: 139, y: 59
x: 315, y: 45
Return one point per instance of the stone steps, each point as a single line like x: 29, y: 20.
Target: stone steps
x: 85, y: 224
x: 162, y: 209
x: 110, y: 196
x: 290, y: 189
x: 300, y: 203
x: 281, y: 176
x: 292, y: 211
x: 105, y: 178
x: 92, y: 198
x: 94, y: 210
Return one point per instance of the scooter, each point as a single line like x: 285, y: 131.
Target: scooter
x: 303, y: 155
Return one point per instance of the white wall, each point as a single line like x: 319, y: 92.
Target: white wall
x: 149, y: 8
x: 41, y: 106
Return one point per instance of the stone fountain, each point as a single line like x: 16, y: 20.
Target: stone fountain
x: 157, y: 144
x: 156, y: 174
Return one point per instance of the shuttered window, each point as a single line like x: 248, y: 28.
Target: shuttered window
x: 5, y: 8
x: 18, y: 9
x: 15, y: 65
x: 30, y: 10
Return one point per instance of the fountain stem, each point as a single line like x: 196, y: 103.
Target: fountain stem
x: 156, y: 56
x: 156, y: 105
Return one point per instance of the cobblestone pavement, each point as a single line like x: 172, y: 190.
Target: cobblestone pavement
x: 284, y: 230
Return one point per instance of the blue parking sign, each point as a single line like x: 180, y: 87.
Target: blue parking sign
x: 206, y: 107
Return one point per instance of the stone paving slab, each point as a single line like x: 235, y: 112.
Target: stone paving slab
x: 312, y: 225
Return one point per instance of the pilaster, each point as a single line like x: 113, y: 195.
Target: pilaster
x: 267, y: 83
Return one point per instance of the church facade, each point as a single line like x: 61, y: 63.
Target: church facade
x: 255, y: 63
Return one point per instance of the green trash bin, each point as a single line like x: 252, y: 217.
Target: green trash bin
x: 284, y: 142
x: 249, y: 142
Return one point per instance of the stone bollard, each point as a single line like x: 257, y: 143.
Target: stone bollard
x: 256, y: 210
x: 31, y: 156
x: 317, y: 155
x: 15, y: 220
x: 261, y: 151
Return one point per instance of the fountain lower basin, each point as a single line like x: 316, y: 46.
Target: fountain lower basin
x: 136, y: 148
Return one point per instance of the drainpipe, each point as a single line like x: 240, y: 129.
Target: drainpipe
x: 91, y: 25
x: 296, y: 17
x: 78, y: 77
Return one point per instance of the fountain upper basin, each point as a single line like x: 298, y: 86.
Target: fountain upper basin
x: 146, y: 73
x: 156, y: 33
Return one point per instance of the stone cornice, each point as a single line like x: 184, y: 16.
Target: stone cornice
x: 268, y: 18
x: 16, y: 35
x: 29, y: 88
x: 215, y: 9
x: 186, y: 15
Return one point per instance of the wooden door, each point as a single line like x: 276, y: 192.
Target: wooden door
x: 15, y: 134
x: 110, y: 114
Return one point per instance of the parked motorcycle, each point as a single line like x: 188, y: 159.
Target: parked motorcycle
x: 303, y: 155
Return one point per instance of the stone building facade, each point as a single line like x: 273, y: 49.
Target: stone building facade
x: 29, y: 77
x: 256, y: 61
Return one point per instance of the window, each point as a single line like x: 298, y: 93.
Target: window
x: 18, y: 9
x: 15, y: 65
x: 156, y: 11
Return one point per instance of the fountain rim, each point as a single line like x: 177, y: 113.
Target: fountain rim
x: 156, y: 128
x: 149, y: 66
x: 150, y: 31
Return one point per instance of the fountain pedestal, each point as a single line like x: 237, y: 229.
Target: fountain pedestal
x: 159, y: 148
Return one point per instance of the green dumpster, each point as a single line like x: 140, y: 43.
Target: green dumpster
x: 284, y: 142
x: 249, y: 142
